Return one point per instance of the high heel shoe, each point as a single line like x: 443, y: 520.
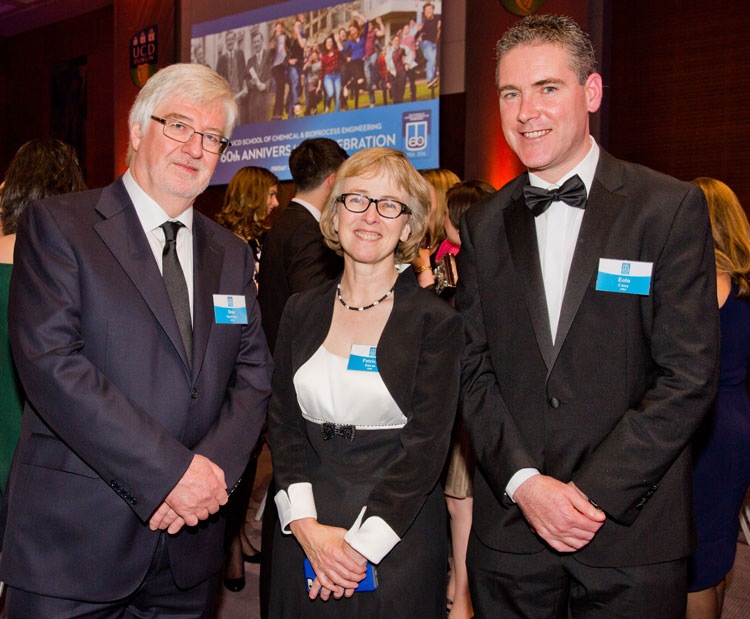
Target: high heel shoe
x: 255, y: 558
x: 234, y: 584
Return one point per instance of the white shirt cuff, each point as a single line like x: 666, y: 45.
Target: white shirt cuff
x: 373, y: 538
x: 520, y: 476
x: 294, y: 503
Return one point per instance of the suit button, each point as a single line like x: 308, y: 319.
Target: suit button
x: 194, y: 394
x: 554, y: 402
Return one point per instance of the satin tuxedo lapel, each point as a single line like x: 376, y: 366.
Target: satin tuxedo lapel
x: 601, y: 207
x: 207, y: 262
x: 524, y: 251
x: 122, y: 233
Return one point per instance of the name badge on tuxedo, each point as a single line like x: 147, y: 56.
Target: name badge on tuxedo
x: 363, y: 358
x: 229, y: 309
x: 627, y: 276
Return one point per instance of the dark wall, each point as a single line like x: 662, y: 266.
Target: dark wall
x: 486, y: 152
x: 679, y: 89
x: 28, y: 60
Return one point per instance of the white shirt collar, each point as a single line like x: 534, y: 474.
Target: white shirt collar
x: 150, y: 214
x: 313, y: 211
x: 585, y: 169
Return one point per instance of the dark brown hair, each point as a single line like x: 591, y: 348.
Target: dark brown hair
x: 40, y: 169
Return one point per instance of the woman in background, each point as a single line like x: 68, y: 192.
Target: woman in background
x: 364, y: 398
x: 40, y: 169
x: 721, y: 446
x: 248, y: 203
x: 331, y: 63
x: 440, y: 182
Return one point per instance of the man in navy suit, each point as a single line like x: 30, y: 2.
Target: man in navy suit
x: 588, y: 289
x: 137, y: 336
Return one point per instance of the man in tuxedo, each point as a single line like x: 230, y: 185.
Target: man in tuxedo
x: 588, y: 289
x: 295, y: 259
x: 137, y: 337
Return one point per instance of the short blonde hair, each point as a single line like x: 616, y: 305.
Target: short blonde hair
x: 377, y: 162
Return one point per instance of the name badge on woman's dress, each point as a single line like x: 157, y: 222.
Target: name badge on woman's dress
x: 362, y: 358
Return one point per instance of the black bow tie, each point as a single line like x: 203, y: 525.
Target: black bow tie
x: 572, y: 192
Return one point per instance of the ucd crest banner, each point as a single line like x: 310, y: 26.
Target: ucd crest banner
x: 143, y: 55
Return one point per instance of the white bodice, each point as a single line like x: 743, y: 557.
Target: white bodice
x: 327, y: 392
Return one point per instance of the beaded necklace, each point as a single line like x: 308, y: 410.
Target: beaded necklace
x: 364, y: 307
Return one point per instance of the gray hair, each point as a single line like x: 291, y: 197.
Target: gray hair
x: 555, y: 29
x: 196, y: 83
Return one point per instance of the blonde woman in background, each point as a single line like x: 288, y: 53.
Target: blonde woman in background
x: 721, y: 446
x: 440, y: 182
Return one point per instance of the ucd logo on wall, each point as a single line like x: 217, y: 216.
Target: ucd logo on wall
x: 415, y: 129
x: 144, y: 54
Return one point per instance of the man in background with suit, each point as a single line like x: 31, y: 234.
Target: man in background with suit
x: 137, y: 337
x: 588, y: 289
x: 231, y: 66
x: 295, y: 258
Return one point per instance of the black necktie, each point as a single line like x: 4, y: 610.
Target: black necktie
x: 572, y: 192
x: 174, y: 280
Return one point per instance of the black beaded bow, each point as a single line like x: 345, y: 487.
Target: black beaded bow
x: 572, y: 192
x: 329, y: 430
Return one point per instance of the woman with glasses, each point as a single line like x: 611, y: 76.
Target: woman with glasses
x: 363, y: 403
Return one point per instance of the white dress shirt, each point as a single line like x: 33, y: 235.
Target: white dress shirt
x: 152, y: 216
x: 557, y: 234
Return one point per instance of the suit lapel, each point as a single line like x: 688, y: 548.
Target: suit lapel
x: 521, y: 233
x: 207, y: 262
x: 122, y: 233
x: 601, y: 207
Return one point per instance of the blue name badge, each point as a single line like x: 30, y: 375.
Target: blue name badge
x: 362, y: 358
x: 626, y: 276
x: 229, y: 309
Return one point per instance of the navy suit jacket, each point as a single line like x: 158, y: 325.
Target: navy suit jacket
x: 114, y: 412
x: 613, y: 402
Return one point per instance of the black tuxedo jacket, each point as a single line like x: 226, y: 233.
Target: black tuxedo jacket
x: 418, y: 357
x: 295, y: 259
x: 114, y: 412
x: 613, y: 402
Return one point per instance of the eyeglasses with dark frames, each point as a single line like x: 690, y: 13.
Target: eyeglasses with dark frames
x: 386, y: 207
x: 180, y: 132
